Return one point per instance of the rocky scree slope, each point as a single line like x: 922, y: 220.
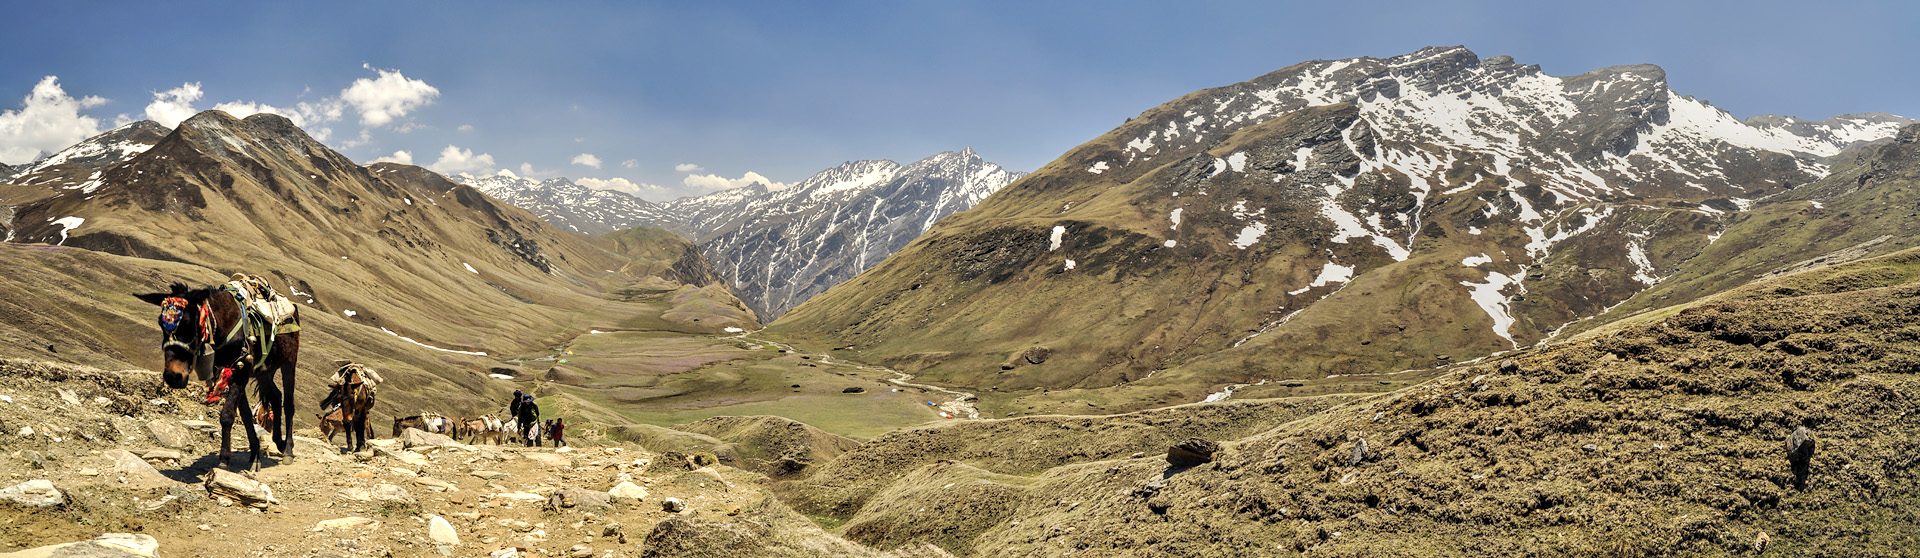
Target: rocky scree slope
x: 1333, y: 217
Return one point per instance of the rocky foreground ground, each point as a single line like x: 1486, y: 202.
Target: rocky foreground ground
x: 98, y: 463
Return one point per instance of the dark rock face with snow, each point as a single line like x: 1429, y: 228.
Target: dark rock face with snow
x: 779, y: 248
x: 79, y: 167
x: 569, y: 205
x: 1350, y: 216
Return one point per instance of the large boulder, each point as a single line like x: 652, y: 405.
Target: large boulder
x: 240, y: 488
x: 627, y: 491
x: 582, y: 499
x: 1192, y: 452
x: 351, y: 523
x: 406, y: 456
x: 37, y: 493
x: 170, y: 433
x: 136, y: 471
x: 382, y: 493
x: 110, y: 545
x: 415, y: 437
x: 441, y: 531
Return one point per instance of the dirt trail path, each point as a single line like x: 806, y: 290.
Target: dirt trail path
x: 124, y: 461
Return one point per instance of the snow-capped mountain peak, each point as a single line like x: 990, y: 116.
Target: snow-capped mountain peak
x: 568, y: 204
x: 78, y: 167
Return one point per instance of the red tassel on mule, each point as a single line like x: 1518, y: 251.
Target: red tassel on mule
x: 219, y: 387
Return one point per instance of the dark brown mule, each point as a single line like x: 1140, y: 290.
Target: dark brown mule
x: 356, y: 403
x: 204, y: 331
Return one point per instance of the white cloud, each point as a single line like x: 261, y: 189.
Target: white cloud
x: 454, y: 160
x: 324, y: 110
x: 631, y: 163
x: 619, y: 185
x: 688, y: 167
x: 174, y: 105
x: 386, y: 98
x: 48, y: 120
x: 464, y: 128
x: 402, y: 156
x: 526, y: 169
x: 587, y: 160
x: 717, y: 182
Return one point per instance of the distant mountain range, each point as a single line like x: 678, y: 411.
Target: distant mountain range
x: 777, y: 248
x: 571, y: 206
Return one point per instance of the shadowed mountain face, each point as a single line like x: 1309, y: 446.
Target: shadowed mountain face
x: 394, y: 264
x: 1333, y: 217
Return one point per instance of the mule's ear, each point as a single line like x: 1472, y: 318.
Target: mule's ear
x: 152, y: 298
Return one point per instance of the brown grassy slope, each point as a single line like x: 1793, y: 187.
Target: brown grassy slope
x: 75, y: 301
x: 1657, y: 438
x: 773, y: 446
x: 1027, y: 446
x: 390, y: 243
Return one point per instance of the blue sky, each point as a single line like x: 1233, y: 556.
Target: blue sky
x: 783, y: 89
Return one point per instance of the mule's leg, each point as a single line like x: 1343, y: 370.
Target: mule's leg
x: 246, y: 421
x: 290, y: 355
x: 270, y: 400
x: 227, y: 409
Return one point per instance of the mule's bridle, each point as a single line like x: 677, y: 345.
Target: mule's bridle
x: 172, y: 310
